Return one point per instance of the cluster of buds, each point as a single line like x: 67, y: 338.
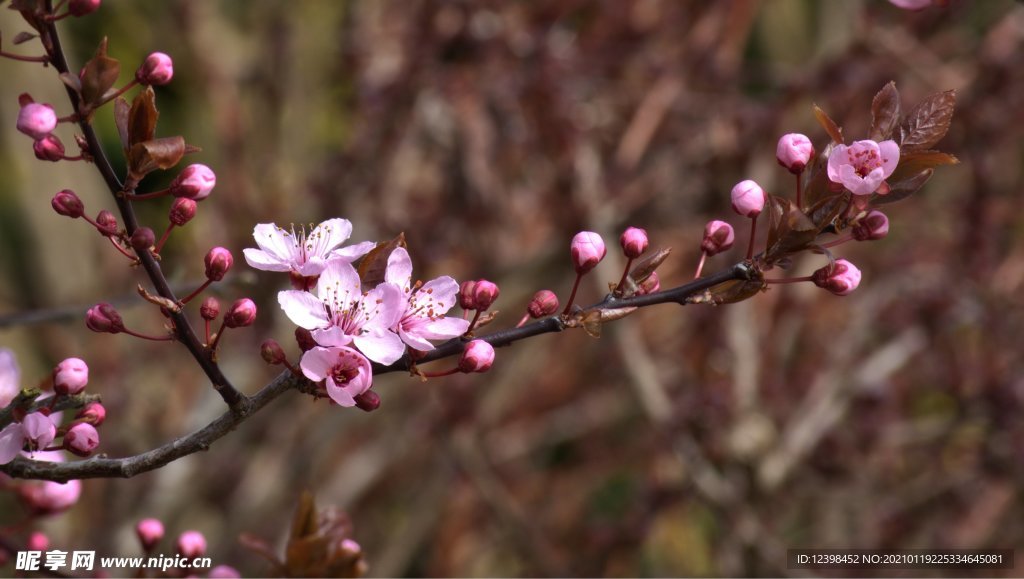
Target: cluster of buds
x: 189, y: 544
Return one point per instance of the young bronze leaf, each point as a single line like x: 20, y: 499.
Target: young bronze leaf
x: 776, y: 209
x: 900, y: 190
x: 913, y: 162
x: 148, y: 156
x: 142, y: 117
x: 98, y: 75
x: 795, y: 234
x: 649, y: 264
x: 735, y: 290
x: 23, y: 37
x: 72, y: 81
x: 121, y: 111
x: 304, y: 521
x: 834, y: 131
x: 928, y: 122
x: 824, y: 212
x: 373, y: 266
x: 885, y: 112
x: 817, y: 187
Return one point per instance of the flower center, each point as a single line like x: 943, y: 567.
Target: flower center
x: 865, y: 161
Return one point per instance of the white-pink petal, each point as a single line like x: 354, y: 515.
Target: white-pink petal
x: 303, y: 309
x: 890, y: 153
x: 12, y: 439
x: 259, y: 259
x: 382, y: 346
x: 352, y: 252
x: 399, y: 270
x: 338, y: 286
x: 317, y: 363
x: 332, y: 337
x: 10, y: 376
x: 277, y: 242
x: 327, y: 236
x: 444, y: 328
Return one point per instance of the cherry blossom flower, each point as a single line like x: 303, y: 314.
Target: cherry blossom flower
x: 347, y: 372
x: 863, y: 166
x: 340, y: 314
x: 48, y: 497
x: 302, y: 254
x: 10, y: 376
x: 423, y: 318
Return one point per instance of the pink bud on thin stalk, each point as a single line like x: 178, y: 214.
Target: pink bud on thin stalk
x: 794, y: 152
x: 272, y: 352
x: 218, y: 261
x: 587, y: 249
x: 633, y: 242
x: 718, y: 237
x: 150, y: 532
x: 157, y: 69
x: 83, y: 7
x: 478, y: 356
x: 36, y: 120
x: 874, y: 225
x: 192, y: 544
x: 94, y: 413
x: 840, y: 278
x: 241, y: 314
x: 103, y: 317
x: 748, y: 198
x: 81, y: 439
x: 68, y: 204
x: 485, y: 293
x: 70, y: 376
x: 106, y: 223
x: 209, y: 309
x: 194, y: 182
x: 544, y: 303
x: 368, y: 401
x: 142, y: 239
x: 466, y: 295
x: 182, y: 211
x: 49, y: 148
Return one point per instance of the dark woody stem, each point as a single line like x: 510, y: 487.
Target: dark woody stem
x: 238, y: 402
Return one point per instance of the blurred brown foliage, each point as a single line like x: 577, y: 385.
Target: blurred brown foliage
x: 696, y: 441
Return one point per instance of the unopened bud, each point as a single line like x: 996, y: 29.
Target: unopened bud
x: 83, y: 7
x: 874, y: 225
x: 840, y: 278
x: 718, y: 237
x: 150, y: 532
x: 634, y: 242
x: 81, y: 439
x: 241, y: 314
x: 223, y: 572
x: 157, y: 69
x: 304, y: 339
x: 182, y: 211
x: 485, y: 293
x: 192, y: 544
x: 368, y: 401
x: 104, y: 318
x: 794, y: 152
x: 544, y: 303
x: 107, y: 223
x: 748, y: 198
x: 272, y: 352
x: 587, y: 250
x: 70, y: 376
x: 218, y: 261
x: 467, y: 301
x: 49, y: 148
x: 651, y: 284
x: 194, y: 182
x: 209, y: 309
x: 477, y: 357
x: 68, y: 204
x: 38, y: 542
x: 142, y: 239
x: 36, y: 120
x: 94, y: 413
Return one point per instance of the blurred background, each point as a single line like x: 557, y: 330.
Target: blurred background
x: 694, y: 441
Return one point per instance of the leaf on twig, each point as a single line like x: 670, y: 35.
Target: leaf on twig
x: 142, y: 117
x: 824, y: 212
x: 834, y: 131
x: 730, y: 292
x: 789, y: 230
x: 817, y: 186
x: 913, y: 162
x: 649, y: 264
x: 148, y: 156
x: 23, y: 37
x: 121, y: 112
x: 373, y: 266
x: 900, y: 190
x: 927, y: 122
x: 98, y: 75
x: 72, y: 81
x: 885, y: 112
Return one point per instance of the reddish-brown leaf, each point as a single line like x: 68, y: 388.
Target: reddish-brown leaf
x: 834, y: 131
x: 142, y: 117
x: 23, y: 37
x: 735, y: 290
x: 649, y: 264
x: 900, y: 190
x: 99, y: 74
x: 913, y: 162
x: 373, y: 266
x: 72, y: 81
x: 927, y: 122
x: 148, y: 156
x: 121, y: 111
x: 885, y: 112
x: 794, y: 230
x: 824, y: 212
x: 816, y: 187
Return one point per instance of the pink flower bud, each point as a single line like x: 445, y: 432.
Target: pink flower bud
x: 874, y: 225
x: 150, y: 532
x: 223, y: 572
x: 36, y: 120
x: 83, y: 7
x: 48, y: 498
x: 68, y: 204
x: 477, y: 357
x: 350, y: 547
x: 794, y: 152
x: 911, y: 4
x: 104, y: 318
x: 841, y: 278
x: 484, y: 294
x: 748, y: 198
x: 39, y: 430
x: 587, y: 250
x: 157, y: 69
x: 107, y: 223
x: 49, y: 148
x: 142, y: 239
x: 651, y: 284
x: 94, y: 413
x: 70, y: 376
x: 210, y: 308
x: 182, y: 211
x: 218, y: 261
x: 718, y: 237
x: 272, y: 352
x: 544, y: 303
x: 195, y: 182
x: 81, y: 439
x: 467, y: 301
x: 634, y: 242
x: 192, y: 544
x: 38, y: 542
x: 304, y: 339
x: 368, y: 401
x: 241, y: 314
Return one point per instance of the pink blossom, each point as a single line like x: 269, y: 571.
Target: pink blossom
x: 633, y: 242
x: 340, y: 314
x: 192, y: 544
x: 195, y: 182
x: 863, y: 166
x: 36, y: 120
x: 718, y: 237
x: 150, y: 532
x: 485, y: 293
x: 304, y: 255
x: 911, y: 4
x: 39, y: 430
x: 748, y: 198
x: 218, y: 261
x: 48, y: 497
x: 10, y: 377
x: 794, y: 152
x: 157, y: 69
x: 841, y: 278
x: 241, y: 314
x: 347, y: 372
x: 223, y: 572
x: 49, y: 148
x: 543, y: 303
x: 81, y: 439
x: 477, y: 357
x: 874, y: 225
x: 587, y: 250
x: 423, y: 317
x: 70, y: 376
x: 12, y: 440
